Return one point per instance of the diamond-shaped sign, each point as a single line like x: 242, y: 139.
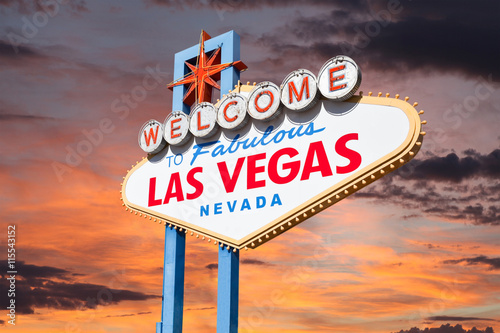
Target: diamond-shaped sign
x: 245, y: 187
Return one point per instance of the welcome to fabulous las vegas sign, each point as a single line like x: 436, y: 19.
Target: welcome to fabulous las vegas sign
x: 265, y: 158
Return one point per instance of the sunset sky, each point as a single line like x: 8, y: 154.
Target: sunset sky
x: 418, y: 249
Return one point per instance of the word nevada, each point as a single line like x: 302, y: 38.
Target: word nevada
x: 338, y: 80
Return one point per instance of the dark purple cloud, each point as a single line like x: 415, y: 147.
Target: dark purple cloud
x: 22, y: 117
x: 212, y: 266
x: 420, y: 43
x: 201, y: 309
x: 493, y: 263
x: 129, y: 314
x: 240, y: 5
x: 480, y: 206
x: 257, y: 262
x: 52, y: 287
x: 248, y: 261
x: 33, y: 6
x: 389, y: 35
x: 458, y: 318
x: 452, y: 187
x: 447, y: 329
x: 452, y: 168
x: 8, y: 52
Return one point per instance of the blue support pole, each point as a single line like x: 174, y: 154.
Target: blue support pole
x: 227, y: 290
x: 173, y: 282
x: 175, y: 242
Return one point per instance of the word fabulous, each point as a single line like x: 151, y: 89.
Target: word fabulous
x: 338, y: 80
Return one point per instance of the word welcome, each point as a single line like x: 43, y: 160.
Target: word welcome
x: 338, y: 80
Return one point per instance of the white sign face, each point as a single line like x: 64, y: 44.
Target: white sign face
x: 245, y: 187
x: 151, y: 137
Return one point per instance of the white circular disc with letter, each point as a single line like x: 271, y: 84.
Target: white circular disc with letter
x: 176, y: 128
x: 151, y: 137
x: 339, y: 78
x: 203, y: 120
x: 264, y: 101
x: 299, y: 90
x: 232, y: 111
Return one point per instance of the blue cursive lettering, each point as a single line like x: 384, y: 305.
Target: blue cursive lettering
x: 221, y: 149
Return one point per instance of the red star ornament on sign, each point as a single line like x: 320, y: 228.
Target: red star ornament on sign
x: 204, y: 75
